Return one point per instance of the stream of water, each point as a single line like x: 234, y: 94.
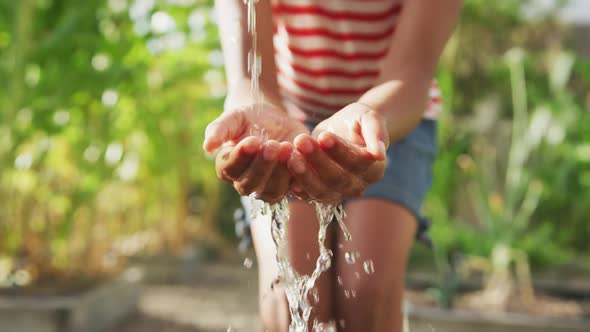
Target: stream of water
x: 297, y: 286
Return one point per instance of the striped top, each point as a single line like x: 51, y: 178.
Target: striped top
x: 329, y: 52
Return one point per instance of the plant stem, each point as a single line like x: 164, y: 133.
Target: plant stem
x: 24, y: 13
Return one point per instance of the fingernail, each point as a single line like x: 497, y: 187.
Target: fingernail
x: 250, y: 148
x: 298, y: 167
x: 284, y: 156
x: 208, y: 143
x: 208, y: 130
x: 270, y: 154
x: 328, y: 142
x: 305, y: 147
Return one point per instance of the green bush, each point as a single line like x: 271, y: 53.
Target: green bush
x: 100, y: 131
x: 480, y: 108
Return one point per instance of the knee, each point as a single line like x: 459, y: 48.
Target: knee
x: 374, y: 293
x: 274, y: 312
x: 366, y: 294
x: 371, y: 305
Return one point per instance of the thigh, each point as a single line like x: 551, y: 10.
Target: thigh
x: 273, y: 308
x: 303, y: 252
x: 370, y: 269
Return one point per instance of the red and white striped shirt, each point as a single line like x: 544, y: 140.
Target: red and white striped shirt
x: 329, y: 52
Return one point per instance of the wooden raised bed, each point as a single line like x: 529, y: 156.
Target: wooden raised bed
x: 427, y: 318
x: 430, y: 319
x: 95, y: 309
x: 168, y: 268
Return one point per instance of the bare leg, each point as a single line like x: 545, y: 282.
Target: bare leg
x: 382, y: 232
x: 274, y: 313
x: 303, y: 251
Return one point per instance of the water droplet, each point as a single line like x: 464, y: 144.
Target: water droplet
x: 340, y: 246
x: 357, y: 275
x: 342, y: 323
x: 308, y: 256
x: 353, y: 293
x: 339, y: 278
x: 347, y: 293
x: 297, y: 286
x: 248, y: 263
x: 318, y: 327
x: 358, y: 255
x: 369, y: 267
x: 350, y: 258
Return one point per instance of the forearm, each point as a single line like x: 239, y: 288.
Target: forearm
x: 401, y: 95
x: 402, y: 104
x: 237, y: 43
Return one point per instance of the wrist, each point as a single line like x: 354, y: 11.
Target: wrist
x: 400, y: 102
x: 240, y: 94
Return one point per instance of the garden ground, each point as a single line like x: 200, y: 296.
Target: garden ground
x: 223, y: 295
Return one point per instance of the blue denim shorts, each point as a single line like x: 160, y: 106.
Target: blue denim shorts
x: 408, y: 174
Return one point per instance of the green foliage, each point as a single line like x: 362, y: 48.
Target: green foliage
x: 101, y: 127
x: 103, y: 106
x: 486, y: 97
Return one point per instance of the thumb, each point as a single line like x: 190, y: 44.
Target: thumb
x: 227, y: 127
x: 375, y: 134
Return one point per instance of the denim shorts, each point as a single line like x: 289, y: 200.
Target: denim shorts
x: 408, y: 174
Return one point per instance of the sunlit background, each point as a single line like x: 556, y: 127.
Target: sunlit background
x: 103, y: 105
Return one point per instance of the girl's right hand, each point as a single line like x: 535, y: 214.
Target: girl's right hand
x: 254, y: 146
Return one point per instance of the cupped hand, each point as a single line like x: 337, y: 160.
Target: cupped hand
x: 254, y: 146
x: 345, y: 154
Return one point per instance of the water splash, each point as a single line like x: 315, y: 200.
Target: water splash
x: 350, y: 257
x: 316, y: 295
x: 254, y: 67
x: 324, y: 327
x: 369, y: 267
x: 296, y: 286
x: 248, y: 263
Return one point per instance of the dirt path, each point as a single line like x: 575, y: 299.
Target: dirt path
x: 224, y: 295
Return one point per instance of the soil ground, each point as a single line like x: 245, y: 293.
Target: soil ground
x: 223, y: 295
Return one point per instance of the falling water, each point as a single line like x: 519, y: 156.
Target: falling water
x: 369, y: 267
x: 254, y: 67
x: 297, y: 286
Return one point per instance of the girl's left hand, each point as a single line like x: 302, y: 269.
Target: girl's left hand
x: 343, y: 157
